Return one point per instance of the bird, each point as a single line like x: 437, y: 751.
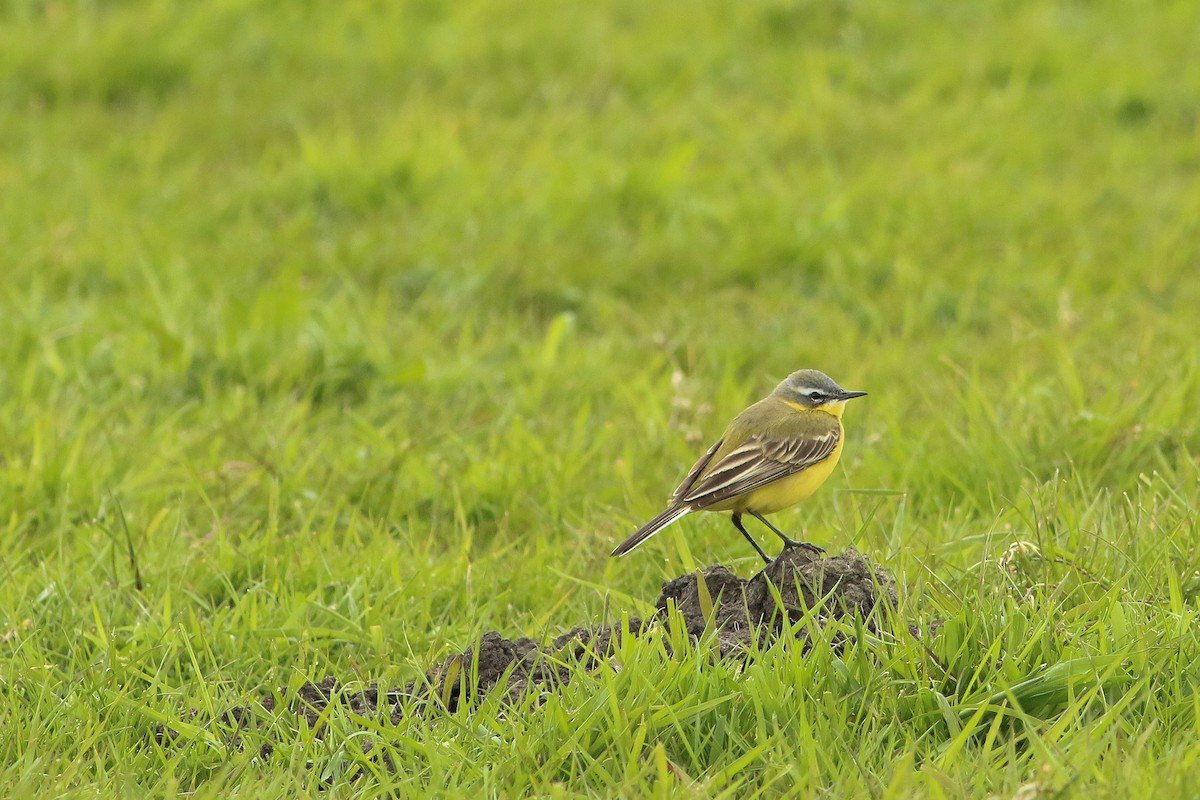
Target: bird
x: 773, y: 455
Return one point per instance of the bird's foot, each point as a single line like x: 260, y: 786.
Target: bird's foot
x: 788, y: 544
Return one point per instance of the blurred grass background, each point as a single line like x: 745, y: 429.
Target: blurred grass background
x: 379, y: 324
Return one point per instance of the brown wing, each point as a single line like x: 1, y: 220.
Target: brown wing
x: 697, y: 468
x: 755, y: 463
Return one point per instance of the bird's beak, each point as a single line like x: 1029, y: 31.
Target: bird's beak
x: 851, y: 395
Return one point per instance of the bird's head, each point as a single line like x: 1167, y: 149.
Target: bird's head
x: 811, y: 390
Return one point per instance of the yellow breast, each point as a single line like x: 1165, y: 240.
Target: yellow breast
x: 791, y: 490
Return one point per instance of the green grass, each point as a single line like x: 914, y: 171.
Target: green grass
x: 369, y: 327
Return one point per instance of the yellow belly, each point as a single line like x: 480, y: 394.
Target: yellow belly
x: 785, y: 492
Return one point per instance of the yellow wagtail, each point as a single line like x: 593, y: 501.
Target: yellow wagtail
x: 773, y: 455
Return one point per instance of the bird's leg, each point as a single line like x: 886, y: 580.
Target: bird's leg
x: 787, y: 540
x: 737, y: 523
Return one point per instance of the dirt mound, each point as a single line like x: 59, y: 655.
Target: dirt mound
x: 799, y: 582
x: 831, y: 587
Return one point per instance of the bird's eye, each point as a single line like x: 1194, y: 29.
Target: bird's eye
x: 816, y: 397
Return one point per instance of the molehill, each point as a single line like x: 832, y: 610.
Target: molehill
x: 740, y: 611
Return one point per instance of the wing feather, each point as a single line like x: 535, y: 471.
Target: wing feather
x: 695, y: 471
x: 753, y: 464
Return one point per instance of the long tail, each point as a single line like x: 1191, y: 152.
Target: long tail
x: 650, y: 528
